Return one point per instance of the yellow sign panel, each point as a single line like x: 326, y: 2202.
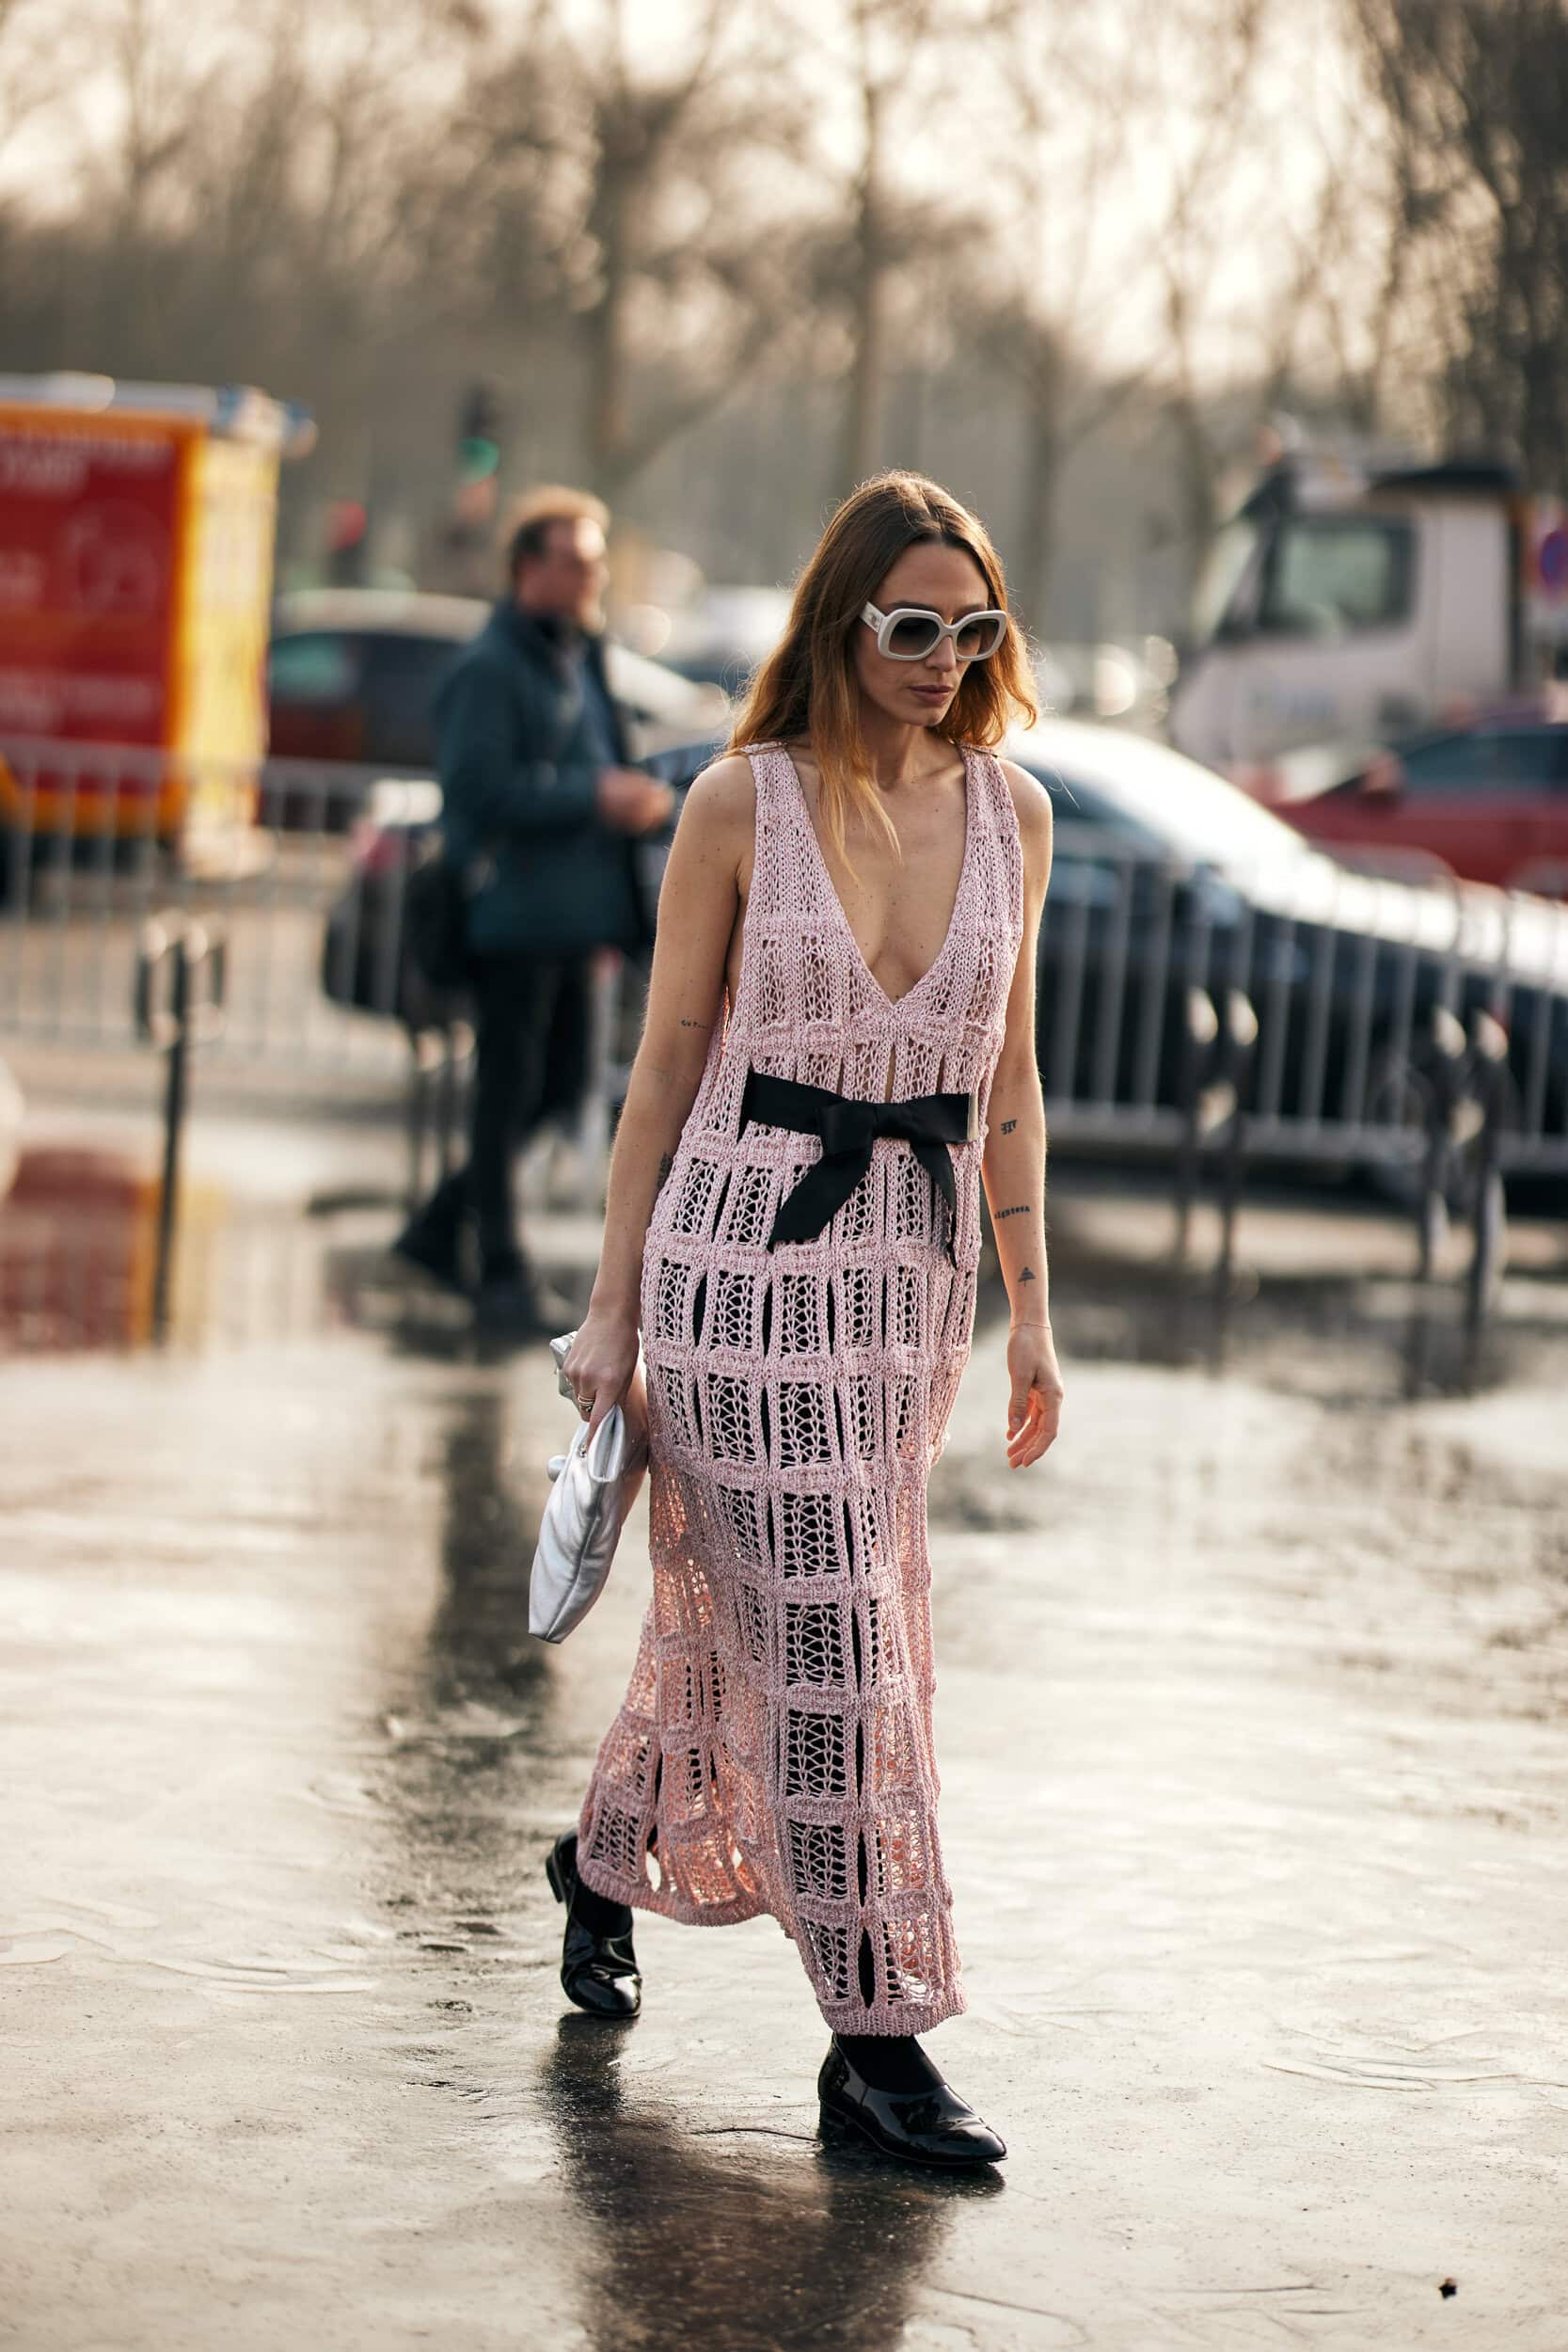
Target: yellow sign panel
x: 220, y: 707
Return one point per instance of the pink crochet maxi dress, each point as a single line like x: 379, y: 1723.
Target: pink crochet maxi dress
x: 777, y: 1730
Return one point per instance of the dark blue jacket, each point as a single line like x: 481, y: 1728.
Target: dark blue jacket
x: 518, y: 752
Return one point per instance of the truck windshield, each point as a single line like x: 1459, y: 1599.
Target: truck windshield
x: 1331, y: 575
x: 1222, y: 575
x: 1323, y: 576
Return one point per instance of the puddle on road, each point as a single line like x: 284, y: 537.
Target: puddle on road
x: 28, y: 1942
x: 1353, y: 1326
x: 204, y: 1689
x: 780, y: 2239
x: 79, y: 1247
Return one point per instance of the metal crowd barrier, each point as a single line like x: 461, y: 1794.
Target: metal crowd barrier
x: 96, y: 841
x: 1341, y: 971
x: 303, y: 870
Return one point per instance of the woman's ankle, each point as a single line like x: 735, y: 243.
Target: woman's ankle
x: 894, y: 2062
x: 599, y: 1914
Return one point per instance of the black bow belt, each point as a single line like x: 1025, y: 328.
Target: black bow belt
x: 849, y: 1129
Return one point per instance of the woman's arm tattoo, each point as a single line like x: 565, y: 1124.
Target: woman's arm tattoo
x: 1020, y: 1210
x: 1007, y: 1126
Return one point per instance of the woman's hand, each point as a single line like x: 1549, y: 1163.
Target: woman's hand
x: 599, y: 1368
x: 1035, y: 1404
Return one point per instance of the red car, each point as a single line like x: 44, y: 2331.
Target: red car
x: 1489, y: 802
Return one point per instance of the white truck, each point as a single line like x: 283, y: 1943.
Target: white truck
x: 1349, y: 602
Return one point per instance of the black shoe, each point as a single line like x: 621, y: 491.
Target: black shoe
x: 923, y: 2126
x: 598, y: 1971
x: 435, y: 1254
x: 521, y: 1307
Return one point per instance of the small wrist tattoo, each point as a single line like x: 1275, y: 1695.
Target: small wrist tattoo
x: 1027, y: 1275
x: 1007, y: 1126
x: 1021, y: 1209
x: 695, y: 1024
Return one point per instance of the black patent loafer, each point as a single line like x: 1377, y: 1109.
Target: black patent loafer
x: 598, y: 1972
x: 516, y: 1305
x: 932, y: 2127
x: 435, y: 1255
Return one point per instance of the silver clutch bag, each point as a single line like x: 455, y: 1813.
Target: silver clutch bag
x: 595, y: 1488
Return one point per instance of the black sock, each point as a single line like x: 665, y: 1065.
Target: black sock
x: 597, y: 1914
x: 890, y: 2061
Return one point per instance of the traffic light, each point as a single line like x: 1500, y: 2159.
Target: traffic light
x: 479, y: 430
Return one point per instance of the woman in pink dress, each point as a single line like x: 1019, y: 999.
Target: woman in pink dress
x: 839, y: 1049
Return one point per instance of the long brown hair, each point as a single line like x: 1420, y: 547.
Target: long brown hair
x: 806, y: 690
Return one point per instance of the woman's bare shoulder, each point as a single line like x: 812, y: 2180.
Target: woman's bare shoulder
x: 723, y: 798
x: 1031, y: 800
x: 1032, y: 803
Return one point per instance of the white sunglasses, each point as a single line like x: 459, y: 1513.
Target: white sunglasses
x: 910, y: 633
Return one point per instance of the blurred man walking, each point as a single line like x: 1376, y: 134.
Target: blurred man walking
x: 539, y: 813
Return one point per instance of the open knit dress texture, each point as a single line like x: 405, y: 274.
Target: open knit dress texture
x: 777, y: 1730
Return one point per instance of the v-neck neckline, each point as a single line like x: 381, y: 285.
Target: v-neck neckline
x: 892, y: 1003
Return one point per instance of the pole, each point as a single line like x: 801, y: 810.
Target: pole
x: 174, y: 1121
x: 1489, y: 1053
x: 1239, y: 1036
x: 183, y: 948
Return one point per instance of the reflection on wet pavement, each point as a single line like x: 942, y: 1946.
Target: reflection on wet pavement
x: 760, y: 2238
x: 1253, y: 1749
x: 1322, y: 1298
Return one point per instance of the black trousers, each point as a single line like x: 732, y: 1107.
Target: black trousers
x: 532, y: 1018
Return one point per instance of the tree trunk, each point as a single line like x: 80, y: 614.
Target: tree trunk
x: 608, y: 418
x: 1043, y: 455
x: 862, y: 416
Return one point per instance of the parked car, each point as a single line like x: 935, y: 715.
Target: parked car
x: 724, y: 637
x: 1167, y: 876
x: 1489, y: 801
x: 352, y: 674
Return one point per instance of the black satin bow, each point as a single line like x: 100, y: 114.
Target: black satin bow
x: 849, y: 1128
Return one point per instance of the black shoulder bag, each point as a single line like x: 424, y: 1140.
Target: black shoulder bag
x: 436, y: 918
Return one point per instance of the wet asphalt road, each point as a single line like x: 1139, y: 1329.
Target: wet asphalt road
x: 1251, y: 1714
